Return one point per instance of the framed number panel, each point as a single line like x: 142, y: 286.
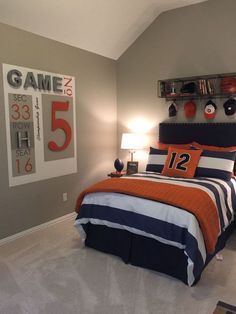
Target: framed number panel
x: 40, y: 124
x: 22, y: 134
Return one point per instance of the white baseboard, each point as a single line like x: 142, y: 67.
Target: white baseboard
x: 47, y: 224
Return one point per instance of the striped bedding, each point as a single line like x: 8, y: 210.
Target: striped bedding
x: 160, y: 221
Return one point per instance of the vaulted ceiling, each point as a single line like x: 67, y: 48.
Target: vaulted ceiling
x: 105, y: 27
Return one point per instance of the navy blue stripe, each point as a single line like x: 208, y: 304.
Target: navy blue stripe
x: 133, y: 220
x: 205, y: 153
x: 156, y: 151
x: 154, y: 167
x: 233, y: 195
x: 149, y: 225
x: 225, y: 195
x: 223, y: 155
x: 213, y: 173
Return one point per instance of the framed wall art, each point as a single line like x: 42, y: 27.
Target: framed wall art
x: 40, y: 124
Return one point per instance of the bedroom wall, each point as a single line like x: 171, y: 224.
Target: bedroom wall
x: 28, y: 205
x: 193, y: 40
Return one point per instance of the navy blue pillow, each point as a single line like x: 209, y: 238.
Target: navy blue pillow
x: 156, y: 159
x: 216, y: 165
x: 211, y: 164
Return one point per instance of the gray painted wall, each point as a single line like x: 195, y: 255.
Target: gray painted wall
x: 25, y: 206
x: 194, y: 40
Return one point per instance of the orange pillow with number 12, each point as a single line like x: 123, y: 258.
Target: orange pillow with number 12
x: 181, y: 162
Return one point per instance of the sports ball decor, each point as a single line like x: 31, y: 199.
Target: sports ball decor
x: 228, y: 84
x: 119, y: 165
x: 40, y: 124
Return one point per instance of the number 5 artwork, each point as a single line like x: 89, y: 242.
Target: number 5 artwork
x: 57, y: 127
x: 60, y: 124
x: 40, y: 124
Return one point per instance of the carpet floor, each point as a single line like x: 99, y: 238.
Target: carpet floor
x: 48, y: 272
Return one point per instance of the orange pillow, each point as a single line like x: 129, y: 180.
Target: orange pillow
x: 166, y: 146
x: 214, y: 148
x: 181, y: 162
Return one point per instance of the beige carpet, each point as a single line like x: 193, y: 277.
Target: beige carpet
x: 224, y: 308
x: 49, y: 273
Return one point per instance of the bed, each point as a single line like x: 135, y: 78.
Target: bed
x: 155, y: 232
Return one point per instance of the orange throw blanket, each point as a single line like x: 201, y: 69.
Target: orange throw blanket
x: 194, y: 200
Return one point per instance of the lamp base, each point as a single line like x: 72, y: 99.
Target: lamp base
x: 132, y: 154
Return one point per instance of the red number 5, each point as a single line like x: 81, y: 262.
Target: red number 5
x: 60, y: 124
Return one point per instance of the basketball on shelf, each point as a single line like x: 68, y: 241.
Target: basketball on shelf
x: 119, y: 165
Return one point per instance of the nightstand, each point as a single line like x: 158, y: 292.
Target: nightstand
x: 116, y: 174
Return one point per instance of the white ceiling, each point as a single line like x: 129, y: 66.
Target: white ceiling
x: 105, y: 27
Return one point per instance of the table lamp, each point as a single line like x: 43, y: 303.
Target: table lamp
x: 132, y: 141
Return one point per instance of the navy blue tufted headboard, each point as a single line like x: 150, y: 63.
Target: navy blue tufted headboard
x: 217, y: 134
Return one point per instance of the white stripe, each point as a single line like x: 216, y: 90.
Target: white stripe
x: 149, y: 208
x: 228, y: 195
x: 81, y: 231
x: 102, y: 222
x: 204, y: 162
x: 216, y: 163
x: 234, y: 184
x: 157, y: 159
x: 190, y: 271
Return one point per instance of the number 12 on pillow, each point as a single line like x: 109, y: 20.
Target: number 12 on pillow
x: 181, y: 162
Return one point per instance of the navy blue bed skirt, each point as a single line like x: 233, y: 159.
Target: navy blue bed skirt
x: 145, y: 252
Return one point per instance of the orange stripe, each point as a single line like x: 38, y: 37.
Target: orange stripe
x: 194, y: 200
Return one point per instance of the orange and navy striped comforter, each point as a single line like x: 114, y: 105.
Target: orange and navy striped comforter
x: 190, y: 198
x: 120, y: 203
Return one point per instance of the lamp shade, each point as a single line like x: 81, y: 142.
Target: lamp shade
x: 132, y: 141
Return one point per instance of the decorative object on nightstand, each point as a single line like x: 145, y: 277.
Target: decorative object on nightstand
x: 119, y: 165
x: 132, y: 167
x: 116, y: 174
x: 132, y: 141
